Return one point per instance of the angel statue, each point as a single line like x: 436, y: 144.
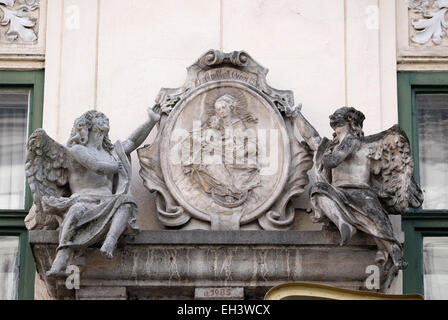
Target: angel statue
x: 85, y: 184
x: 361, y: 180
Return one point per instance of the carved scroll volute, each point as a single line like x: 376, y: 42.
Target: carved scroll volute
x: 281, y: 215
x: 169, y: 212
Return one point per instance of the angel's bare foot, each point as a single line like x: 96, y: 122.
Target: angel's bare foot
x: 107, y: 249
x: 53, y: 272
x: 60, y: 263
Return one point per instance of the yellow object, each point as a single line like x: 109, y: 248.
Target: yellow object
x: 312, y: 291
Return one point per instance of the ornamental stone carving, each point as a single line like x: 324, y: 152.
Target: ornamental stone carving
x: 226, y: 153
x: 429, y: 20
x: 20, y: 17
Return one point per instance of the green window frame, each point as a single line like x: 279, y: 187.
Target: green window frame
x: 12, y: 221
x: 419, y: 223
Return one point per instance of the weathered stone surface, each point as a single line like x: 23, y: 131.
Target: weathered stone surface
x: 171, y: 264
x: 101, y: 293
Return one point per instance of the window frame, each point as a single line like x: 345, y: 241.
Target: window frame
x: 12, y: 221
x: 27, y: 268
x: 418, y: 223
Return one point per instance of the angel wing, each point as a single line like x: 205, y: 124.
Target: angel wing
x: 392, y: 167
x: 46, y: 171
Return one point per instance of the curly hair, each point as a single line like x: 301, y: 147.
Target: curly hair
x: 82, y: 126
x: 350, y: 116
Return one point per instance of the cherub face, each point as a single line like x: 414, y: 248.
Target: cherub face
x: 336, y: 121
x: 101, y: 125
x: 222, y: 109
x: 342, y: 129
x: 214, y: 122
x: 99, y: 130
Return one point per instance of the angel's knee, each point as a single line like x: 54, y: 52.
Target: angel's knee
x: 76, y: 211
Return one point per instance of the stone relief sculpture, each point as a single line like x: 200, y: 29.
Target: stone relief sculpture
x: 431, y: 22
x: 229, y: 183
x: 84, y: 186
x: 226, y: 153
x: 21, y: 17
x: 361, y: 180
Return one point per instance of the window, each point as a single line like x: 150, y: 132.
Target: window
x: 9, y: 267
x: 21, y: 100
x: 432, y: 119
x: 13, y: 133
x: 423, y: 114
x: 435, y: 262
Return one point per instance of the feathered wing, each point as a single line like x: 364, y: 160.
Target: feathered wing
x: 392, y: 170
x: 46, y: 171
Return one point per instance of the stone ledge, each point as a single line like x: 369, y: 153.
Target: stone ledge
x: 203, y: 237
x: 171, y: 264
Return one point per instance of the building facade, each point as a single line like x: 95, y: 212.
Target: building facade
x: 388, y: 59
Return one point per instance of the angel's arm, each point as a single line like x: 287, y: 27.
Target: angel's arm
x: 308, y: 132
x: 82, y: 156
x: 142, y: 132
x: 341, y: 152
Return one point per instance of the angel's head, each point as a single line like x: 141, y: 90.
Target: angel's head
x: 91, y: 125
x: 348, y: 117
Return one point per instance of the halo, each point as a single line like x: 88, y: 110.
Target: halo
x: 212, y: 96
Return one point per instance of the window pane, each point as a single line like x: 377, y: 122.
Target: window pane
x: 433, y: 149
x: 435, y: 261
x: 9, y: 267
x: 13, y: 134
